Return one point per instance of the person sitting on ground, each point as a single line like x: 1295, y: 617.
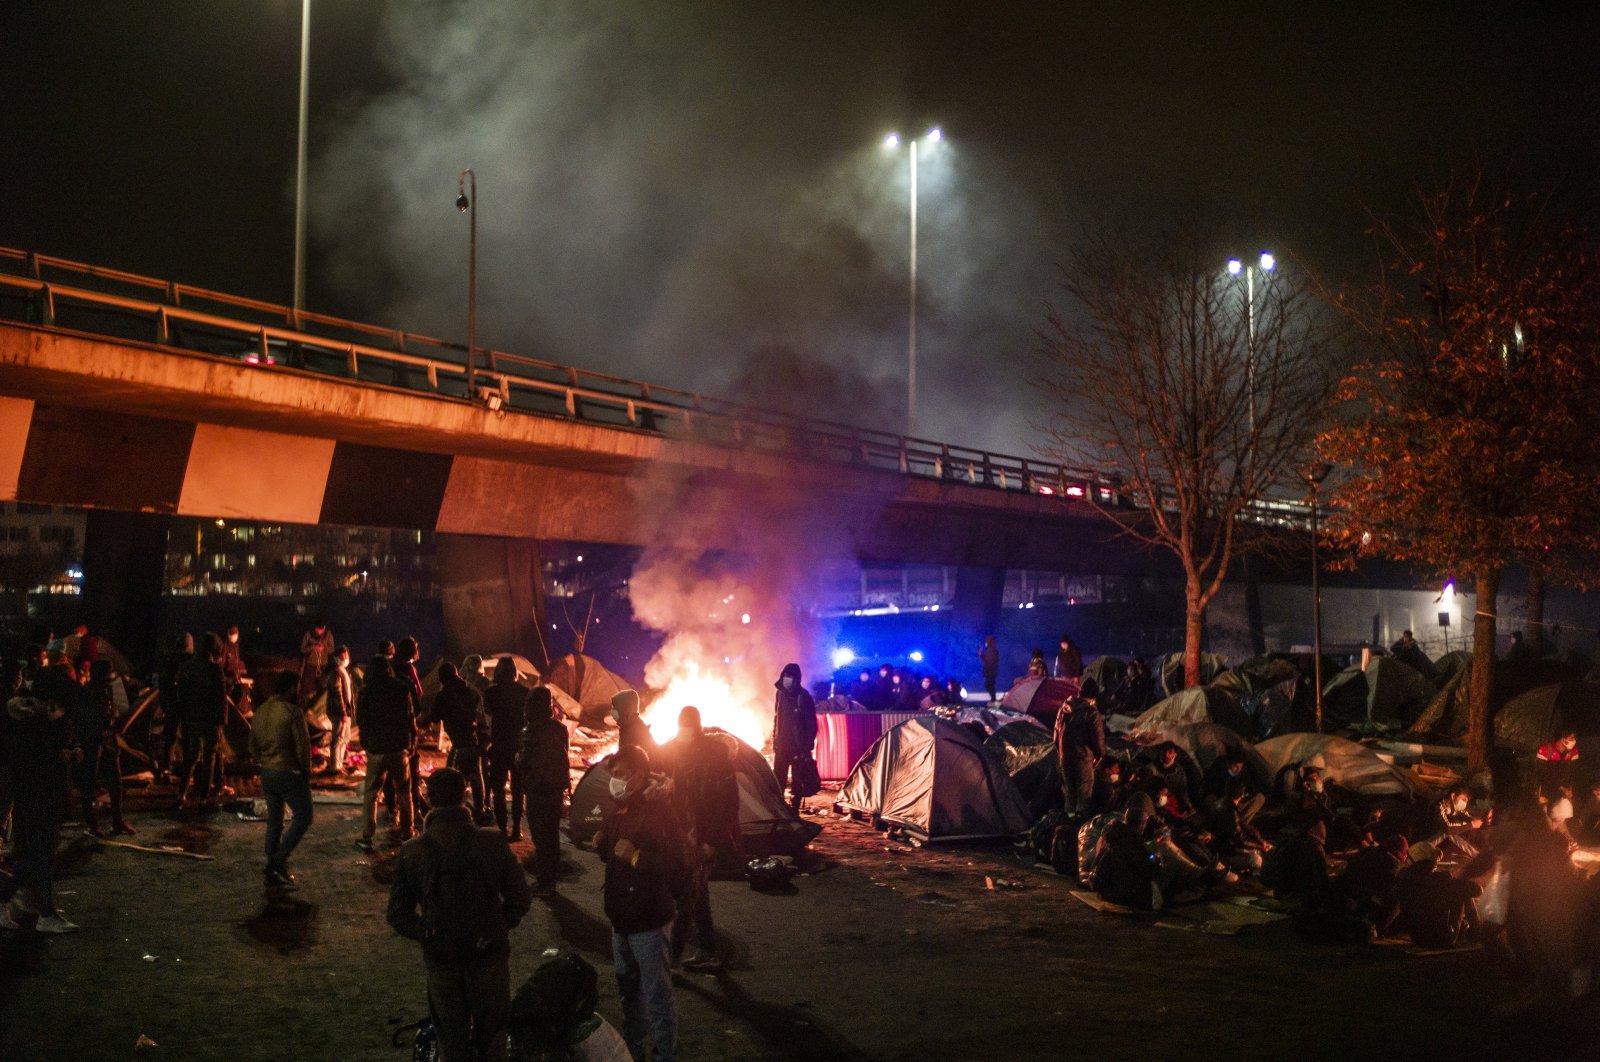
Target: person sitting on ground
x: 1585, y: 827
x: 1187, y: 826
x: 1163, y: 765
x: 1312, y: 802
x: 1558, y: 811
x: 459, y: 892
x: 1448, y: 823
x: 1368, y: 881
x: 1109, y: 793
x: 1297, y: 867
x: 281, y: 743
x: 1125, y: 870
x: 1239, y: 844
x: 1434, y: 907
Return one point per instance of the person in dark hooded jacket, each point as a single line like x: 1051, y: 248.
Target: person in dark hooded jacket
x: 1297, y: 868
x: 459, y: 708
x: 631, y: 727
x: 1080, y: 737
x: 706, y: 796
x: 542, y: 764
x: 794, y: 727
x: 506, y: 704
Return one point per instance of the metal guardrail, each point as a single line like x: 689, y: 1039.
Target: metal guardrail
x: 56, y: 292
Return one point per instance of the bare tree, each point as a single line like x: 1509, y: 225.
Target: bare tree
x: 1165, y: 381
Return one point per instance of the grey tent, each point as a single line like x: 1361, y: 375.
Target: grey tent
x: 767, y: 825
x: 1197, y: 704
x: 1108, y: 673
x: 1540, y: 715
x: 1387, y: 692
x: 1270, y: 690
x: 1171, y: 670
x: 1451, y: 664
x: 1027, y: 751
x: 1344, y: 763
x: 936, y: 780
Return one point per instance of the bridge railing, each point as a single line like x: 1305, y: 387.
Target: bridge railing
x: 57, y: 292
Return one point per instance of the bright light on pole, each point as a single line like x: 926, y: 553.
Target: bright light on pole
x: 1266, y: 264
x: 892, y: 142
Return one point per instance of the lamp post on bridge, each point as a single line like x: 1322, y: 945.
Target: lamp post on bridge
x: 300, y: 162
x: 892, y: 143
x: 469, y: 205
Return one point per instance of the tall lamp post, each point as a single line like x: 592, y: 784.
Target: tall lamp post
x: 1235, y: 267
x: 300, y: 162
x: 1313, y: 477
x: 892, y: 142
x: 469, y: 205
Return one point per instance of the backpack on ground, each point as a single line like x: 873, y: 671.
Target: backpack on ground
x: 554, y: 1009
x: 462, y: 915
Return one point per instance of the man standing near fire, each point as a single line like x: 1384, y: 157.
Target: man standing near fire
x: 794, y: 731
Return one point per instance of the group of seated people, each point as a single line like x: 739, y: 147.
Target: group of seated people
x: 896, y: 690
x: 1156, y: 834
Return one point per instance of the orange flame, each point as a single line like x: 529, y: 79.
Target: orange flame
x: 720, y: 704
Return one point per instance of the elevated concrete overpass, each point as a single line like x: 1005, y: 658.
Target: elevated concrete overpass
x: 126, y: 394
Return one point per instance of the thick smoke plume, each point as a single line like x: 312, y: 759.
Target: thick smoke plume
x: 672, y: 192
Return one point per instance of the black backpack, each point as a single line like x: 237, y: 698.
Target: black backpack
x: 554, y: 1008
x: 462, y: 917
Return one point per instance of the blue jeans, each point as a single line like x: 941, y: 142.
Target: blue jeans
x: 644, y: 977
x: 280, y: 788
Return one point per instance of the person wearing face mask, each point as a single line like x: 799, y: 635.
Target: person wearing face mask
x: 1226, y: 770
x: 1449, y: 823
x: 794, y: 728
x: 631, y: 728
x: 642, y: 847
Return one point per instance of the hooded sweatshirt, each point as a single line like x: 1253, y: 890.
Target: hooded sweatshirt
x: 794, y: 723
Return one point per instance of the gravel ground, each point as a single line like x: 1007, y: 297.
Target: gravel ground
x: 881, y: 951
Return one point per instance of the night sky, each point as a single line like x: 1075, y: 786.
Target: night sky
x: 696, y: 193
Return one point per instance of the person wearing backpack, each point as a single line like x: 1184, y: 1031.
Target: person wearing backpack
x: 458, y: 891
x: 546, y: 777
x: 643, y: 849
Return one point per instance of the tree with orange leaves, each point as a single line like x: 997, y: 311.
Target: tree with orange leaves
x: 1471, y: 435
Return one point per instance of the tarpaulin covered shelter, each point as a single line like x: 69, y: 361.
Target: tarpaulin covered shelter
x: 1107, y: 672
x: 1027, y: 751
x: 1041, y: 698
x: 938, y: 781
x: 1386, y: 692
x: 1542, y: 714
x: 1197, y: 704
x: 1271, y: 692
x: 1211, y: 665
x: 767, y: 825
x: 1343, y: 762
x: 588, y: 682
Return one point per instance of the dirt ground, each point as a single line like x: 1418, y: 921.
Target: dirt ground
x: 881, y: 951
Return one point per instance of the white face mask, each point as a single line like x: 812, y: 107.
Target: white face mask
x: 1161, y: 801
x: 233, y: 639
x: 619, y: 788
x: 788, y: 682
x: 1316, y: 786
x: 1461, y: 807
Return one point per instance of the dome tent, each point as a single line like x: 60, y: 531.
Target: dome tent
x: 1171, y: 670
x: 937, y: 780
x: 1386, y: 692
x: 1540, y: 715
x: 1201, y: 745
x: 767, y: 825
x: 586, y: 681
x: 1197, y: 704
x: 1027, y: 751
x: 1344, y: 763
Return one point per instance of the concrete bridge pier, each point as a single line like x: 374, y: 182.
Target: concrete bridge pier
x: 124, y: 572
x: 492, y: 592
x: 976, y: 605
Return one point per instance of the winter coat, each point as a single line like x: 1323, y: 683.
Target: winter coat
x: 506, y: 704
x: 638, y: 891
x: 1069, y: 663
x: 460, y: 708
x: 279, y: 738
x: 704, y: 788
x: 1124, y: 870
x: 794, y: 726
x: 449, y: 833
x: 341, y: 694
x: 1080, y: 732
x: 201, y: 701
x: 384, y: 715
x: 542, y: 754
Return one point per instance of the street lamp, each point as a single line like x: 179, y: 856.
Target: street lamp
x: 469, y: 205
x: 1235, y: 267
x: 300, y: 162
x: 892, y: 143
x: 1313, y: 478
